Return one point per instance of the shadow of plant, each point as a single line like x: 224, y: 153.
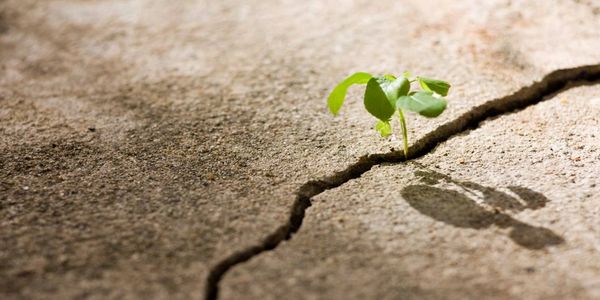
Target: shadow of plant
x: 460, y: 208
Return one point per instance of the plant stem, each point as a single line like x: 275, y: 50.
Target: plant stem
x: 404, y: 132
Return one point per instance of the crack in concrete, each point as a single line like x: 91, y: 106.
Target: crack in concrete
x: 551, y: 84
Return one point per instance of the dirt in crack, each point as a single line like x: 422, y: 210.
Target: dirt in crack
x: 537, y: 92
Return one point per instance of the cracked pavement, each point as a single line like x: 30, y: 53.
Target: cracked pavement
x: 479, y: 217
x: 145, y: 142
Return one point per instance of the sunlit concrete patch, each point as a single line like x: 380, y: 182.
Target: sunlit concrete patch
x: 509, y: 209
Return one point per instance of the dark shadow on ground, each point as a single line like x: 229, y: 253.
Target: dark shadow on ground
x: 459, y: 208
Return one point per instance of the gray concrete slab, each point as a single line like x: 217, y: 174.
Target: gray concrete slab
x: 143, y: 142
x: 508, y: 210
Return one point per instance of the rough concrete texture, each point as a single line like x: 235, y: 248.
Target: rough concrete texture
x: 143, y: 142
x: 509, y: 210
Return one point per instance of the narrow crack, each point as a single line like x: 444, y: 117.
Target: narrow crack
x: 551, y: 84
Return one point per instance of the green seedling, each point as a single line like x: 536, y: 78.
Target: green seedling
x: 387, y: 94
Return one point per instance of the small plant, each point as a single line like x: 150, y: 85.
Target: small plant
x: 387, y: 94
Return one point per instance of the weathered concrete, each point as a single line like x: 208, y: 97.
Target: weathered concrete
x: 509, y: 210
x: 145, y: 141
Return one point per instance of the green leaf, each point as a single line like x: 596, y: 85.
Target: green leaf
x: 396, y: 88
x: 337, y: 96
x: 389, y: 77
x: 384, y: 128
x: 422, y: 103
x: 433, y: 85
x: 376, y: 101
x: 393, y: 88
x: 384, y: 82
x: 406, y: 74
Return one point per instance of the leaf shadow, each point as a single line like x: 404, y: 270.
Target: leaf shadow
x: 458, y: 207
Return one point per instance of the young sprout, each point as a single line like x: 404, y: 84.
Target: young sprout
x: 387, y: 94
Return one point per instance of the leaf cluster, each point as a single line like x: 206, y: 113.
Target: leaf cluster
x: 386, y: 94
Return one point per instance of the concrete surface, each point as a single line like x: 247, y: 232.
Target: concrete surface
x: 143, y: 142
x: 508, y: 211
